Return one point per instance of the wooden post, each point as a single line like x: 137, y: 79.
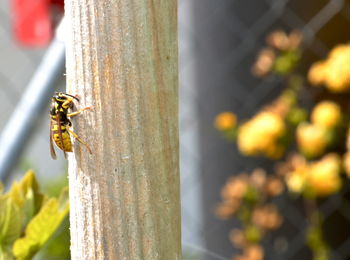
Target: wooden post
x: 122, y: 60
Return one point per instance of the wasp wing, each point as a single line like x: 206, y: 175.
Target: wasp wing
x: 59, y: 129
x: 52, y: 149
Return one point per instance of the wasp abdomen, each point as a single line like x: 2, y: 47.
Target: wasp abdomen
x: 67, y: 144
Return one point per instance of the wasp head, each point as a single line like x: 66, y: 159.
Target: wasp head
x: 63, y: 97
x: 63, y: 100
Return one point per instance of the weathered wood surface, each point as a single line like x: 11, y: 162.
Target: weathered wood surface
x: 122, y: 60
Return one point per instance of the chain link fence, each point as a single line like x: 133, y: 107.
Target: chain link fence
x: 218, y: 43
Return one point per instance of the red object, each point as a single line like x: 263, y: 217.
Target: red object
x: 59, y: 3
x: 33, y: 21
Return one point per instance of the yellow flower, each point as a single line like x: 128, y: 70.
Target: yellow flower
x: 312, y: 139
x: 323, y: 177
x: 278, y: 39
x: 339, y: 51
x: 338, y: 75
x: 258, y: 178
x: 264, y: 62
x: 225, y: 121
x: 274, y: 186
x: 261, y: 134
x: 316, y: 75
x: 235, y: 188
x: 269, y: 124
x: 238, y: 238
x: 266, y: 217
x: 246, y: 141
x: 253, y: 252
x: 296, y: 180
x: 227, y: 209
x: 295, y: 39
x: 327, y: 114
x: 346, y: 163
x: 334, y: 72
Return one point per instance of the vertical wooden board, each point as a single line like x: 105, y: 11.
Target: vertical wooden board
x: 122, y: 60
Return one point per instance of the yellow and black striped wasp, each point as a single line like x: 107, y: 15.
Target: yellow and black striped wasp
x: 60, y: 124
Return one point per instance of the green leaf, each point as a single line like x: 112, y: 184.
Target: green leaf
x: 63, y: 200
x: 11, y: 218
x: 251, y: 195
x: 28, y: 190
x: 53, y: 187
x: 27, y: 196
x: 42, y: 227
x: 253, y: 234
x: 57, y: 248
x: 230, y: 134
x: 286, y: 61
x: 297, y: 115
x: 5, y: 253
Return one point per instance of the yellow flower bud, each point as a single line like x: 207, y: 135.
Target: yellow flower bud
x: 312, y: 139
x: 254, y: 252
x: 326, y: 113
x: 264, y: 62
x: 246, y: 139
x: 338, y: 75
x: 323, y: 178
x: 339, y: 51
x: 278, y: 39
x: 269, y: 124
x: 261, y: 134
x: 295, y: 39
x: 334, y: 72
x: 266, y: 217
x: 235, y: 188
x: 296, y: 180
x: 316, y: 75
x: 238, y: 238
x: 225, y: 121
x: 346, y: 163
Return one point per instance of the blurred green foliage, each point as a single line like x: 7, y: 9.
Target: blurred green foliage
x: 29, y: 218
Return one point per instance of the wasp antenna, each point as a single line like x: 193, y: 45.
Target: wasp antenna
x: 76, y: 97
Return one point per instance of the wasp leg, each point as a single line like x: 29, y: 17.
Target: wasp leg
x: 67, y: 102
x: 79, y: 139
x: 78, y: 112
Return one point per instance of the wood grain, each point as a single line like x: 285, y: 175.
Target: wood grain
x: 122, y: 60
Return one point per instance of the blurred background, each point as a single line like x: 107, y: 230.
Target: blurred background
x: 218, y: 44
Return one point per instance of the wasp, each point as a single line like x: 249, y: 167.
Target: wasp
x: 60, y: 124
